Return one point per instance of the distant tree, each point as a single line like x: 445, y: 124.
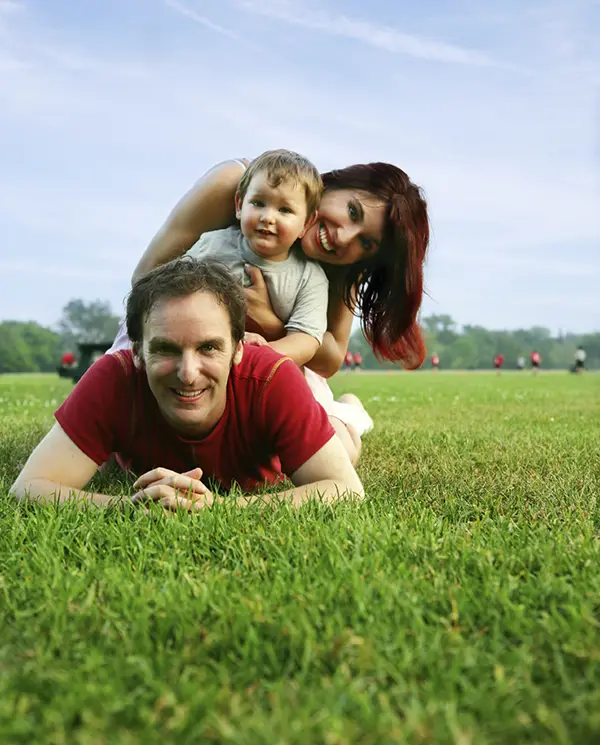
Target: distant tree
x: 28, y: 347
x: 83, y: 321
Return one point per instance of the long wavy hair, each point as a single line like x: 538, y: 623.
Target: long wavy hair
x: 387, y: 288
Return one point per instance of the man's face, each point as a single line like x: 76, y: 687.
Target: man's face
x: 188, y: 352
x: 272, y: 218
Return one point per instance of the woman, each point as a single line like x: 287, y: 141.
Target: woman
x: 372, y: 236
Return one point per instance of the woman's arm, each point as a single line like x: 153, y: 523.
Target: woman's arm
x: 209, y: 205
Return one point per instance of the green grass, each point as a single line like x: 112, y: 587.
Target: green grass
x: 459, y: 604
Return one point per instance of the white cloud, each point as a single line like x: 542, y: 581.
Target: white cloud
x: 379, y: 36
x: 197, y: 18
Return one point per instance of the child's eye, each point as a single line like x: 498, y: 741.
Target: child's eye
x: 256, y: 203
x: 285, y: 210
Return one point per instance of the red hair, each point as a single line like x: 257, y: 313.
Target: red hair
x: 387, y: 288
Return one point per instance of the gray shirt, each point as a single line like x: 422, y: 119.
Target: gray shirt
x: 298, y: 287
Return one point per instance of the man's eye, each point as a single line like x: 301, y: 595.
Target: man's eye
x: 208, y: 348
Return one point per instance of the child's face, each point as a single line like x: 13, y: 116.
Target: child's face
x: 272, y: 218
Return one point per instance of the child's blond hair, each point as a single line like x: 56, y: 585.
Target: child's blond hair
x: 284, y: 165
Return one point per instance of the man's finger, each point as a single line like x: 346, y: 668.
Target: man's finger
x: 180, y: 481
x: 150, y: 477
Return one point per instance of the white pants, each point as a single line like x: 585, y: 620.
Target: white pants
x: 346, y: 412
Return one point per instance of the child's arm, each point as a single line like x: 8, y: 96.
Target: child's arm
x: 297, y: 346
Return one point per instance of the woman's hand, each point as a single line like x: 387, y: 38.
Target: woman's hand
x: 255, y: 339
x: 261, y: 317
x: 174, y: 491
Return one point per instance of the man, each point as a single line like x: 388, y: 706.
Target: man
x: 190, y: 400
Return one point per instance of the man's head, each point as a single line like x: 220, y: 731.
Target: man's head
x: 186, y: 321
x: 277, y: 201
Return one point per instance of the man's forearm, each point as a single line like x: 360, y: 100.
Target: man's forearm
x: 41, y: 491
x: 327, y: 491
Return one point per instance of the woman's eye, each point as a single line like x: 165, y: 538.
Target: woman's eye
x: 353, y: 212
x: 367, y: 245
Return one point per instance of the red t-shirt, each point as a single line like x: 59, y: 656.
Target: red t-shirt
x: 271, y: 424
x: 349, y: 358
x: 358, y: 358
x: 435, y: 360
x: 536, y: 358
x: 68, y: 358
x: 498, y: 360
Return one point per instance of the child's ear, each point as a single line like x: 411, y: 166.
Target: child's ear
x: 310, y: 221
x: 238, y: 205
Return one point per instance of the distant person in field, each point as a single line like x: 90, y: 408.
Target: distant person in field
x: 68, y: 360
x: 358, y: 360
x: 580, y: 358
x: 498, y: 362
x: 536, y: 361
x: 190, y: 402
x: 348, y: 360
x: 435, y: 362
x: 520, y: 362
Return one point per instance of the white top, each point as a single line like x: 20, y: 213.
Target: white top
x: 298, y: 287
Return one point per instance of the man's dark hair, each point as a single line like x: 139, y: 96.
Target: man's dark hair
x: 183, y: 277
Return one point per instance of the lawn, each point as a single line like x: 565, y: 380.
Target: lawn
x: 460, y: 603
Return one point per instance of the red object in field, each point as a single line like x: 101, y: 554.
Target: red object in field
x: 349, y: 359
x: 68, y: 359
x: 358, y: 359
x: 498, y: 360
x: 435, y: 360
x: 536, y: 358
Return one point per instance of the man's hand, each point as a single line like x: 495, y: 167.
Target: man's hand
x: 174, y: 491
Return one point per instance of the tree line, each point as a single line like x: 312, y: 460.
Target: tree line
x: 474, y: 347
x: 30, y: 347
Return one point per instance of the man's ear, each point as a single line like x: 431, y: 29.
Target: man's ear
x: 238, y: 354
x: 138, y: 360
x: 310, y: 221
x: 238, y: 205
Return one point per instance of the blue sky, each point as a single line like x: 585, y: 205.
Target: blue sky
x: 109, y: 111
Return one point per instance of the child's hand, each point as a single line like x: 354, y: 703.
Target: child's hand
x: 256, y: 339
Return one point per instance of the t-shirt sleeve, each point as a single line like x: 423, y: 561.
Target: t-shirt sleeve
x: 91, y: 413
x: 296, y: 425
x: 309, y: 314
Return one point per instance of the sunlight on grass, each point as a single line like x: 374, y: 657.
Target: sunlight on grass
x: 458, y: 604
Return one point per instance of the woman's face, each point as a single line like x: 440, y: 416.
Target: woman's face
x: 349, y: 227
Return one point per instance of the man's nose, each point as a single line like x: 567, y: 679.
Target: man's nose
x: 187, y: 370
